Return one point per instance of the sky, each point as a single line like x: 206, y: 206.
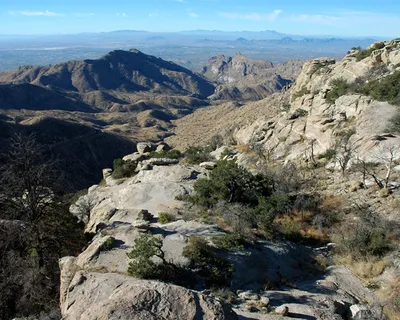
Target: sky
x: 337, y: 17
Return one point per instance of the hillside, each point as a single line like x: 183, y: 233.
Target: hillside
x: 241, y: 78
x: 119, y: 77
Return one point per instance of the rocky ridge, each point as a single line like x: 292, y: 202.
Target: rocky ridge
x: 94, y: 285
x: 244, y: 79
x: 289, y: 124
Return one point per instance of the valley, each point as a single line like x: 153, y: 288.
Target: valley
x: 247, y: 189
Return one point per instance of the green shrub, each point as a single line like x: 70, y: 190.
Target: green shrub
x: 197, y: 155
x: 231, y: 183
x: 269, y: 207
x: 298, y: 113
x: 367, y: 241
x: 291, y: 230
x: 362, y: 53
x: 339, y: 88
x: 216, y: 142
x: 165, y: 217
x: 108, y: 244
x: 123, y: 169
x: 385, y: 89
x: 215, y: 271
x: 171, y: 154
x: 142, y: 265
x: 394, y: 123
x: 229, y: 242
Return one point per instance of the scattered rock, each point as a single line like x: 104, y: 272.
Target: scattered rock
x: 163, y: 147
x: 249, y: 295
x: 208, y: 165
x: 134, y: 157
x: 360, y: 312
x: 265, y: 301
x: 141, y: 224
x: 144, y: 147
x: 282, y: 310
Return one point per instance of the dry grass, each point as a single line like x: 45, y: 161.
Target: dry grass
x: 243, y: 148
x: 297, y: 226
x: 366, y: 269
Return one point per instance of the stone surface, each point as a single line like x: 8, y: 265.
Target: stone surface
x: 282, y: 310
x: 134, y: 157
x: 107, y: 173
x: 208, y: 165
x: 144, y: 147
x: 97, y: 296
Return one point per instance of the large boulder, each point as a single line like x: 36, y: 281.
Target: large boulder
x: 144, y: 147
x: 99, y: 296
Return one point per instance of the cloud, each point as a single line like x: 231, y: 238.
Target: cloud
x: 123, y: 14
x: 316, y: 18
x: 45, y: 13
x: 181, y: 1
x: 193, y: 15
x: 271, y: 16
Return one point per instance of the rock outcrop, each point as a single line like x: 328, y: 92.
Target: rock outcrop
x: 95, y: 296
x: 241, y: 78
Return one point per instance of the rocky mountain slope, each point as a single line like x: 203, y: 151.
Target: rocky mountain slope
x: 120, y: 77
x: 286, y: 124
x: 241, y: 78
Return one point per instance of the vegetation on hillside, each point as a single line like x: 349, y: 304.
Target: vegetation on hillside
x: 36, y: 230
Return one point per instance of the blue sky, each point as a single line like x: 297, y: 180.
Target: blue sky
x: 341, y: 18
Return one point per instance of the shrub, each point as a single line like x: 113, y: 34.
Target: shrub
x: 269, y: 207
x: 165, y: 217
x: 171, y: 154
x: 298, y: 113
x: 108, y: 244
x: 216, y: 142
x: 394, y: 123
x: 385, y: 89
x: 215, y: 271
x: 339, y: 88
x: 231, y: 183
x: 366, y: 241
x: 229, y: 242
x: 329, y: 154
x: 197, y: 155
x: 143, y: 265
x: 123, y: 169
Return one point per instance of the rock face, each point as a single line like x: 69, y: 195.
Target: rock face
x: 312, y: 124
x: 95, y: 296
x: 241, y: 78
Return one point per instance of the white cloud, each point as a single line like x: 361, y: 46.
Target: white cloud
x: 46, y: 13
x: 271, y: 16
x: 123, y: 14
x: 193, y: 15
x: 181, y: 1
